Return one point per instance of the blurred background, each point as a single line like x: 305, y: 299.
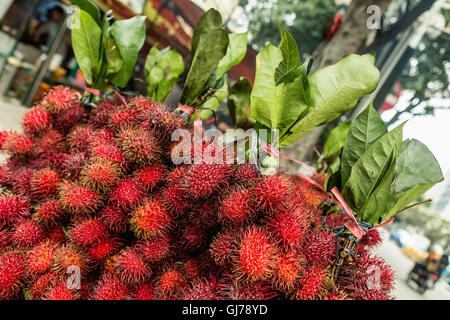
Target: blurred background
x: 411, y: 39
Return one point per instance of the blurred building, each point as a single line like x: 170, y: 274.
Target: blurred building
x: 441, y: 199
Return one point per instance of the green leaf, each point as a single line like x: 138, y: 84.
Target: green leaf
x: 365, y: 129
x: 209, y: 45
x: 213, y: 102
x: 129, y: 35
x: 86, y: 42
x: 369, y: 170
x: 89, y: 7
x: 336, y: 139
x: 113, y: 59
x: 277, y: 107
x: 416, y: 165
x: 334, y: 90
x: 239, y: 104
x: 289, y: 67
x: 236, y: 50
x: 162, y: 69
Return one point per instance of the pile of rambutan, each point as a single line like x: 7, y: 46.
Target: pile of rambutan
x: 92, y: 207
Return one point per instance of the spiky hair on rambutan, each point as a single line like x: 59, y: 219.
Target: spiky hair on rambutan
x: 87, y: 233
x: 223, y: 246
x: 40, y: 258
x: 4, y: 239
x: 288, y: 227
x: 80, y: 137
x: 150, y: 177
x: 371, y: 239
x: 192, y: 235
x: 104, y: 248
x: 231, y: 288
x: 50, y: 141
x: 69, y: 255
x: 13, y: 271
x: 123, y: 117
x: 246, y: 174
x: 155, y: 249
x: 59, y: 99
x: 126, y: 194
x: 18, y: 145
x: 100, y: 175
x: 111, y: 152
x: 27, y: 233
x: 319, y: 248
x: 66, y: 119
x: 161, y: 121
x: 37, y: 289
x: 150, y: 219
x: 202, y: 289
x: 256, y: 254
x: 144, y: 291
x: 110, y: 287
x: 44, y: 184
x: 20, y: 180
x: 171, y: 282
x: 4, y: 135
x: 36, y: 120
x: 201, y: 180
x: 311, y: 283
x: 57, y: 234
x: 130, y: 266
x: 288, y: 268
x: 78, y: 199
x: 272, y: 191
x: 175, y: 199
x: 138, y: 146
x: 61, y: 292
x: 237, y: 207
x: 48, y: 213
x: 114, y: 219
x: 100, y: 116
x: 73, y: 164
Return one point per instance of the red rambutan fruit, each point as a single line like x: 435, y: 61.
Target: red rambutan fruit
x: 202, y: 180
x: 154, y: 250
x: 150, y: 219
x: 223, y: 247
x: 73, y: 164
x: 49, y: 213
x: 144, y: 291
x: 71, y: 256
x: 175, y: 199
x: 335, y: 294
x: 62, y: 292
x: 192, y: 268
x: 100, y: 116
x: 370, y: 240
x: 12, y: 271
x: 202, y: 289
x: 78, y: 199
x: 139, y: 146
x: 4, y: 239
x: 4, y: 134
x: 21, y: 181
x: 66, y: 119
x: 59, y: 99
x: 246, y: 174
x: 319, y: 248
x: 18, y: 145
x: 57, y: 235
x: 100, y: 175
x: 176, y: 175
x: 36, y: 120
x: 124, y: 117
x: 111, y: 152
x: 40, y: 258
x: 12, y: 208
x: 44, y: 183
x: 288, y: 227
x: 131, y: 267
x: 237, y: 207
x: 311, y: 283
x: 161, y: 121
x: 79, y: 138
x: 193, y: 235
x: 42, y: 285
x: 126, y: 194
x: 50, y: 141
x: 256, y: 254
x: 171, y: 282
x: 272, y: 191
x: 104, y: 248
x: 114, y: 219
x: 27, y: 233
x: 234, y: 289
x: 88, y: 232
x: 110, y: 288
x: 151, y: 176
x: 287, y: 270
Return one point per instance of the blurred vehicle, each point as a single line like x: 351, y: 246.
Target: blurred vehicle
x: 425, y: 273
x: 414, y: 254
x: 404, y: 238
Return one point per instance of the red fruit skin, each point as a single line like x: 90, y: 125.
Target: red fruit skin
x: 287, y: 270
x: 27, y: 234
x: 59, y: 99
x: 88, y: 232
x: 175, y: 199
x: 131, y: 267
x: 123, y: 117
x: 36, y: 120
x: 234, y: 289
x: 139, y: 146
x: 320, y: 248
x: 111, y: 152
x: 19, y: 146
x: 288, y: 227
x: 171, y: 282
x: 66, y: 119
x: 110, y: 288
x: 237, y: 207
x: 57, y: 235
x: 114, y: 219
x: 4, y: 134
x: 44, y: 184
x: 311, y: 283
x: 202, y: 180
x: 246, y: 175
x: 256, y: 255
x: 154, y: 250
x: 49, y: 213
x: 69, y: 255
x: 12, y: 272
x: 40, y: 258
x: 4, y: 239
x: 370, y: 240
x: 223, y: 246
x: 192, y: 235
x: 105, y: 248
x: 73, y: 163
x: 21, y: 181
x: 151, y: 219
x: 42, y: 285
x: 100, y: 175
x: 272, y: 191
x: 100, y: 116
x: 79, y: 138
x: 62, y: 292
x: 126, y: 194
x: 151, y: 176
x: 77, y: 199
x: 50, y: 141
x: 202, y: 289
x: 144, y: 292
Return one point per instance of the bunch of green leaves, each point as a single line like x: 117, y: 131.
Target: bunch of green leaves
x: 106, y: 53
x: 378, y: 173
x: 162, y: 71
x: 213, y: 53
x: 284, y: 97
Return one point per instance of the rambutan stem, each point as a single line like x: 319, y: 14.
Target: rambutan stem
x: 415, y: 204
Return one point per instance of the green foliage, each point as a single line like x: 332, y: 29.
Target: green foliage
x: 106, y: 53
x: 162, y: 69
x: 239, y: 104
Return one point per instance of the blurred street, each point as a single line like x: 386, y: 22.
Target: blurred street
x: 402, y: 265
